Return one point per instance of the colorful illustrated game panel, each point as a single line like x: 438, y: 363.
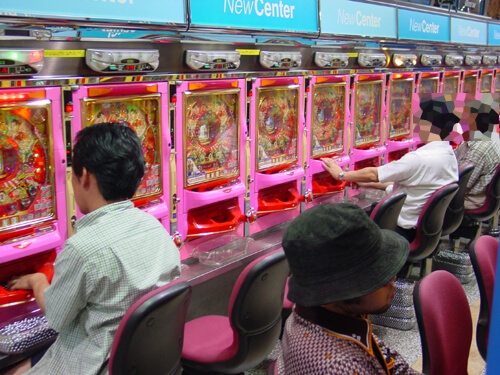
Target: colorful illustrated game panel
x: 142, y: 114
x: 429, y: 86
x: 368, y: 112
x: 450, y: 85
x: 328, y: 112
x: 486, y: 81
x: 470, y: 84
x: 211, y: 136
x: 400, y: 108
x: 26, y: 184
x: 277, y: 128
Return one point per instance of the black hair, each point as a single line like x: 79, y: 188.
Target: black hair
x: 112, y: 152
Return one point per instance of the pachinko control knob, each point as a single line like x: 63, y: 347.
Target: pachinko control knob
x: 251, y: 215
x: 177, y: 238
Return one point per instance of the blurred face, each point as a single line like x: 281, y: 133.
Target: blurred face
x: 376, y: 302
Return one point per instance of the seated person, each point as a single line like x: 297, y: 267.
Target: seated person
x: 418, y: 173
x: 343, y: 268
x: 485, y: 156
x: 117, y: 254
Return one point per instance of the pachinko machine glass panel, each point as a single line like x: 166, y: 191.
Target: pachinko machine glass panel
x: 470, y: 80
x: 32, y: 191
x: 429, y: 82
x: 451, y: 82
x: 138, y: 106
x: 487, y: 80
x: 367, y: 118
x: 497, y: 81
x: 399, y: 120
x: 210, y: 170
x: 327, y: 119
x: 276, y: 128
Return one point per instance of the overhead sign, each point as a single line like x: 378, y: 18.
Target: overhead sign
x: 136, y: 11
x: 360, y: 19
x: 468, y: 32
x: 493, y: 34
x: 270, y: 15
x: 423, y: 26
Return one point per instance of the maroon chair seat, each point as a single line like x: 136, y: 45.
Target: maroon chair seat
x: 150, y: 335
x: 243, y: 339
x: 470, y: 227
x: 483, y: 256
x: 385, y: 214
x: 444, y: 323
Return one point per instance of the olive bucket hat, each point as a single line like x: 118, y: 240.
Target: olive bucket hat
x: 336, y: 252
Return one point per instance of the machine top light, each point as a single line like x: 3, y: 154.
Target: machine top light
x: 489, y: 59
x: 21, y: 61
x: 404, y: 60
x: 331, y: 60
x: 280, y: 59
x: 454, y: 60
x: 213, y: 60
x: 372, y: 60
x: 472, y: 60
x: 122, y: 61
x: 431, y: 60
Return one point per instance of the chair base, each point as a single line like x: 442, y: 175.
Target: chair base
x: 458, y: 264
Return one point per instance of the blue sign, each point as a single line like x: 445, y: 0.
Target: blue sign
x: 273, y: 15
x: 468, y: 32
x: 423, y: 26
x: 493, y: 34
x: 352, y: 18
x: 137, y: 11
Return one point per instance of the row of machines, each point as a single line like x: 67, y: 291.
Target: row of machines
x: 233, y: 141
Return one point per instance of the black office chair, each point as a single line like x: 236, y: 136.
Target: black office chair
x: 150, y: 335
x: 385, y: 214
x: 429, y: 227
x: 470, y: 227
x: 244, y: 338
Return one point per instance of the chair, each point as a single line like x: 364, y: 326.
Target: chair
x: 483, y: 256
x: 444, y: 322
x: 385, y: 214
x: 150, y: 335
x: 243, y: 339
x: 470, y: 227
x: 455, y: 212
x: 429, y: 227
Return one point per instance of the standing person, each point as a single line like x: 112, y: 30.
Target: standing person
x: 117, y: 254
x: 343, y: 267
x: 485, y: 156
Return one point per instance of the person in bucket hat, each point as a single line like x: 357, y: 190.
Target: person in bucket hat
x: 343, y: 268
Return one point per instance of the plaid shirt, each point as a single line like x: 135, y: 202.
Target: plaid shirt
x: 485, y: 156
x: 117, y: 254
x: 317, y: 341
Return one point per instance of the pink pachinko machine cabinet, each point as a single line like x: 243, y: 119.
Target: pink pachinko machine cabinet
x: 367, y: 114
x: 487, y: 75
x: 209, y: 176
x: 427, y: 82
x: 276, y: 164
x: 32, y: 181
x: 144, y: 108
x: 327, y: 116
x: 399, y: 116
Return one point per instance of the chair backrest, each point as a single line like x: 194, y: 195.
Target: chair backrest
x: 430, y: 222
x: 492, y: 203
x: 483, y: 256
x: 255, y: 307
x: 444, y: 322
x: 150, y: 335
x: 386, y: 212
x: 455, y: 212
